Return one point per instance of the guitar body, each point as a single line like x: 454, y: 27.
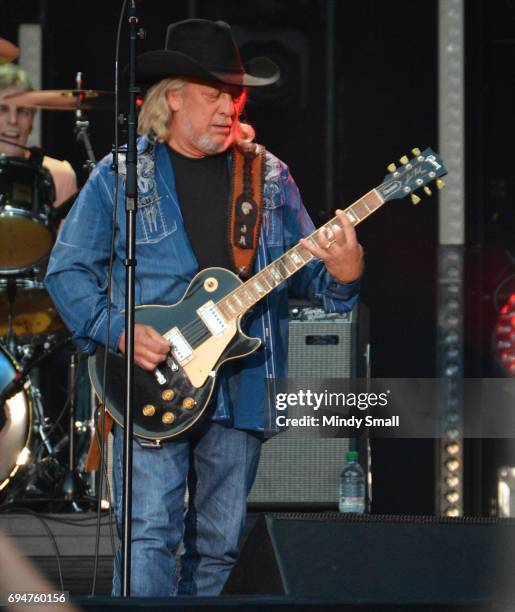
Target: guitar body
x: 170, y: 400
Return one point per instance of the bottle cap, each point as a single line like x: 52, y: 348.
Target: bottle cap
x: 352, y: 455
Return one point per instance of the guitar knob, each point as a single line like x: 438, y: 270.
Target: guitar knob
x: 415, y: 199
x: 404, y: 160
x: 188, y: 403
x: 428, y: 191
x: 440, y: 183
x: 168, y: 395
x: 168, y: 417
x: 415, y: 151
x: 391, y: 167
x: 149, y: 410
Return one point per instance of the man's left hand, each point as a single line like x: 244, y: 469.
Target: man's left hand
x: 343, y: 255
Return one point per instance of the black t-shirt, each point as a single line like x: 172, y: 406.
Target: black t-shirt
x: 203, y: 189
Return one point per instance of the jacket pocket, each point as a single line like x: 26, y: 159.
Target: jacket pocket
x: 151, y: 224
x: 273, y: 211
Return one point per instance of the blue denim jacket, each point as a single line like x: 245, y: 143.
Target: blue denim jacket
x: 77, y: 271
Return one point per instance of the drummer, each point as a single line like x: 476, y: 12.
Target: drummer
x: 16, y: 126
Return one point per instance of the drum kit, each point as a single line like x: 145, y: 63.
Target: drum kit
x: 34, y: 464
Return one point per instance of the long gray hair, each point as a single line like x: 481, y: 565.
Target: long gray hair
x: 155, y: 114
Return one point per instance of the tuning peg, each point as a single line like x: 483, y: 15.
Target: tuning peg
x: 404, y: 160
x: 415, y: 199
x: 427, y: 191
x: 440, y: 183
x: 415, y: 151
x: 391, y: 168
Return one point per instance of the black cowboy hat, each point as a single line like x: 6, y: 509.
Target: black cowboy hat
x: 203, y: 50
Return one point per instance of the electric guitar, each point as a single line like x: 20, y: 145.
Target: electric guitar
x: 204, y: 327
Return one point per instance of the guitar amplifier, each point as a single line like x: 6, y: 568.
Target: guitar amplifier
x: 305, y: 472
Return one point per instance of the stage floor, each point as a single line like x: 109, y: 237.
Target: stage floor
x: 62, y: 546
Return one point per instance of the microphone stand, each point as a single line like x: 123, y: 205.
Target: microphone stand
x: 131, y: 201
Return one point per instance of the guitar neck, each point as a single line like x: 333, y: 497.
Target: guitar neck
x: 252, y: 291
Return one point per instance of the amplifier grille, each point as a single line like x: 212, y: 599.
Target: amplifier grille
x: 306, y: 471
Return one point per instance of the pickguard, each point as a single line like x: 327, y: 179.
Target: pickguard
x: 207, y: 355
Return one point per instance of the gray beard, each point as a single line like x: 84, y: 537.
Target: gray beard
x: 205, y: 144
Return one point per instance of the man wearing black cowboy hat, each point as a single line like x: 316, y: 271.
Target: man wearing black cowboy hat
x: 188, y: 189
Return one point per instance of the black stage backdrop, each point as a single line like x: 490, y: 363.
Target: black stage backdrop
x: 385, y: 97
x: 385, y: 103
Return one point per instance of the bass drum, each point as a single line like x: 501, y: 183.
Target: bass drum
x: 15, y: 428
x: 27, y: 232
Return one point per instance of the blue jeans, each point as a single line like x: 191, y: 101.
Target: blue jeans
x: 219, y: 465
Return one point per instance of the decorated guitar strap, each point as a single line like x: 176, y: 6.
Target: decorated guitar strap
x: 246, y: 206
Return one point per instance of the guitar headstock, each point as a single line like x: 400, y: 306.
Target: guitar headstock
x: 412, y: 175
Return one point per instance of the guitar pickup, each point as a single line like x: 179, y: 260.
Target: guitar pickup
x: 181, y: 350
x: 212, y: 318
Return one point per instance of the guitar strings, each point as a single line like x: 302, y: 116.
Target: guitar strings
x: 196, y: 331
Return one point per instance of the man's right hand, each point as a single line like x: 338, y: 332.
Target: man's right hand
x: 150, y: 348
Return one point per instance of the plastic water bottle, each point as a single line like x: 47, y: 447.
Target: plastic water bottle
x: 352, y: 485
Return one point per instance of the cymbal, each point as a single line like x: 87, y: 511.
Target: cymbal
x: 64, y: 99
x: 8, y: 52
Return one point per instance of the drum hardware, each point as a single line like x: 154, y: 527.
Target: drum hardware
x: 41, y: 423
x: 18, y: 380
x: 27, y: 455
x: 69, y: 482
x: 30, y: 466
x: 82, y: 127
x: 11, y: 299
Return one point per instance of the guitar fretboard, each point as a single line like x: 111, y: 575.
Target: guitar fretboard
x: 244, y: 297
